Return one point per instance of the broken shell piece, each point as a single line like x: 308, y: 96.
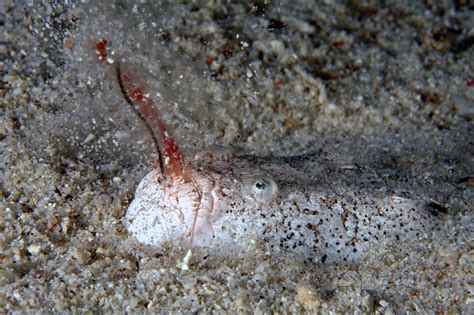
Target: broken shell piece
x: 184, y: 265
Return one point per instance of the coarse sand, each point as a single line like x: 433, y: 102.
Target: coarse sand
x: 387, y: 86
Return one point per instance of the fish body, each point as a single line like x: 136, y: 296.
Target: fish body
x: 295, y: 216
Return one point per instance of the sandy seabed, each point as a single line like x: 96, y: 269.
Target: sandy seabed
x: 389, y: 88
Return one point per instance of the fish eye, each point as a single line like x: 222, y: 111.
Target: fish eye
x: 261, y: 188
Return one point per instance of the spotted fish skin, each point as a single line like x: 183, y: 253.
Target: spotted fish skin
x: 308, y: 217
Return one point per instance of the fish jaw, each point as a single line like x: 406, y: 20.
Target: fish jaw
x: 176, y: 211
x: 151, y: 217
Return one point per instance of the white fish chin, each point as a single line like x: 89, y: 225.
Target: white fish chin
x: 146, y: 219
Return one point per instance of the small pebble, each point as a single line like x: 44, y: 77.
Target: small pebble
x: 299, y: 25
x: 89, y: 138
x: 34, y: 249
x: 367, y: 303
x: 464, y: 106
x: 82, y: 256
x: 308, y: 296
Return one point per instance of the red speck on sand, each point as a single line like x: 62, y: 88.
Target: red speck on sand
x: 101, y: 46
x: 338, y: 43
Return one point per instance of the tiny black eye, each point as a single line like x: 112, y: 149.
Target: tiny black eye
x: 260, y: 185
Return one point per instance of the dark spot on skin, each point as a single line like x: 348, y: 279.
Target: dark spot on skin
x: 311, y: 226
x: 436, y: 209
x: 324, y: 258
